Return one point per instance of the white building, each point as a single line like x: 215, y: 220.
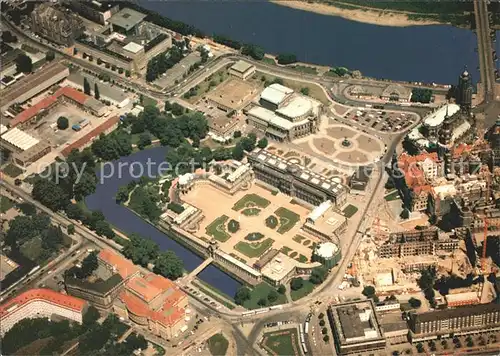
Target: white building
x: 40, y: 303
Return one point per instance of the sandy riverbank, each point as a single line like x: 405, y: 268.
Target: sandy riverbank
x: 374, y: 17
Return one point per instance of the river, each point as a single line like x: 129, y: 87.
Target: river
x: 125, y: 220
x: 418, y: 53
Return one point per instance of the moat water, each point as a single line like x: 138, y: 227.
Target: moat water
x: 418, y: 53
x: 125, y: 220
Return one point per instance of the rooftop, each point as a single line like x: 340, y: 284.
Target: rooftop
x: 133, y: 47
x: 396, y: 89
x: 127, y: 18
x: 19, y: 139
x: 437, y: 117
x: 90, y: 136
x: 241, y: 66
x: 326, y: 249
x: 298, y: 106
x: 234, y: 93
x: 456, y: 312
x: 279, y: 267
x: 275, y: 93
x: 122, y: 265
x: 105, y: 90
x: 47, y: 295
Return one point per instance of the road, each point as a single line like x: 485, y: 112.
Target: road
x: 486, y: 63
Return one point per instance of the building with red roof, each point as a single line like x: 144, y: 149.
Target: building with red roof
x: 40, y: 303
x: 65, y: 94
x: 86, y: 140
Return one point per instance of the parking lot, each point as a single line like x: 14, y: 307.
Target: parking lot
x: 380, y: 120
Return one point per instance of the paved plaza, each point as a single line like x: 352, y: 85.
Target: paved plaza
x: 342, y: 144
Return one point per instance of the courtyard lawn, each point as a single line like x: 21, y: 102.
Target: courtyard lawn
x: 302, y: 258
x: 251, y: 201
x: 5, y: 204
x: 298, y: 238
x: 392, y: 196
x: 217, y: 345
x: 261, y: 291
x: 254, y: 249
x: 251, y: 211
x: 306, y: 289
x: 282, y: 342
x: 286, y: 250
x: 350, y: 210
x: 287, y: 219
x: 12, y: 170
x: 254, y: 236
x: 217, y: 229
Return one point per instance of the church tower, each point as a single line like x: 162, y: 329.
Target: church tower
x: 464, y: 92
x: 444, y: 147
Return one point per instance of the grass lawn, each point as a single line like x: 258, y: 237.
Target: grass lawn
x: 287, y: 218
x: 268, y: 60
x: 5, y: 204
x: 208, y: 84
x: 306, y: 69
x: 215, y: 294
x: 12, y: 170
x: 350, y: 210
x: 298, y: 238
x: 306, y: 289
x: 286, y: 250
x: 254, y: 249
x: 217, y: 229
x: 254, y: 236
x: 282, y: 342
x: 250, y: 211
x: 251, y: 201
x: 32, y: 248
x: 261, y: 290
x: 302, y: 258
x: 217, y: 345
x: 392, y: 196
x: 147, y: 101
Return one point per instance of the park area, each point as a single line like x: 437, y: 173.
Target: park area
x: 282, y: 342
x: 250, y: 222
x: 217, y: 345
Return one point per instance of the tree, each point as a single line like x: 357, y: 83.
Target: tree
x: 71, y: 229
x: 50, y: 194
x: 136, y: 342
x: 86, y: 86
x: 140, y: 250
x: 102, y: 228
x: 62, y: 123
x: 281, y: 289
x: 242, y: 295
x: 420, y: 347
x: 262, y: 142
x: 89, y: 264
x: 49, y: 56
x: 169, y: 265
x: 90, y: 317
x: 296, y: 283
x: 238, y: 153
x: 73, y: 211
x: 324, y: 331
x: 318, y: 275
x: 85, y: 186
x: 322, y: 323
x: 24, y: 63
x: 262, y: 302
x: 122, y: 194
x: 144, y: 140
x: 97, y: 95
x: 272, y: 296
x: 286, y: 58
x: 8, y: 37
x: 305, y: 91
x: 27, y: 208
x: 326, y: 338
x: 237, y: 134
x: 414, y: 302
x: 368, y: 291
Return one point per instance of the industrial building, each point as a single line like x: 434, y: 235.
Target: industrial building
x: 232, y: 95
x: 105, y: 128
x: 355, y: 327
x: 295, y: 180
x: 57, y: 25
x: 126, y: 43
x: 113, y: 94
x: 24, y: 148
x: 458, y: 321
x: 33, y: 84
x: 284, y: 115
x: 40, y: 303
x: 98, y: 12
x: 242, y: 70
x: 64, y: 95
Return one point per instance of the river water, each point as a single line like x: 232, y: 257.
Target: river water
x: 125, y: 220
x: 418, y: 53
